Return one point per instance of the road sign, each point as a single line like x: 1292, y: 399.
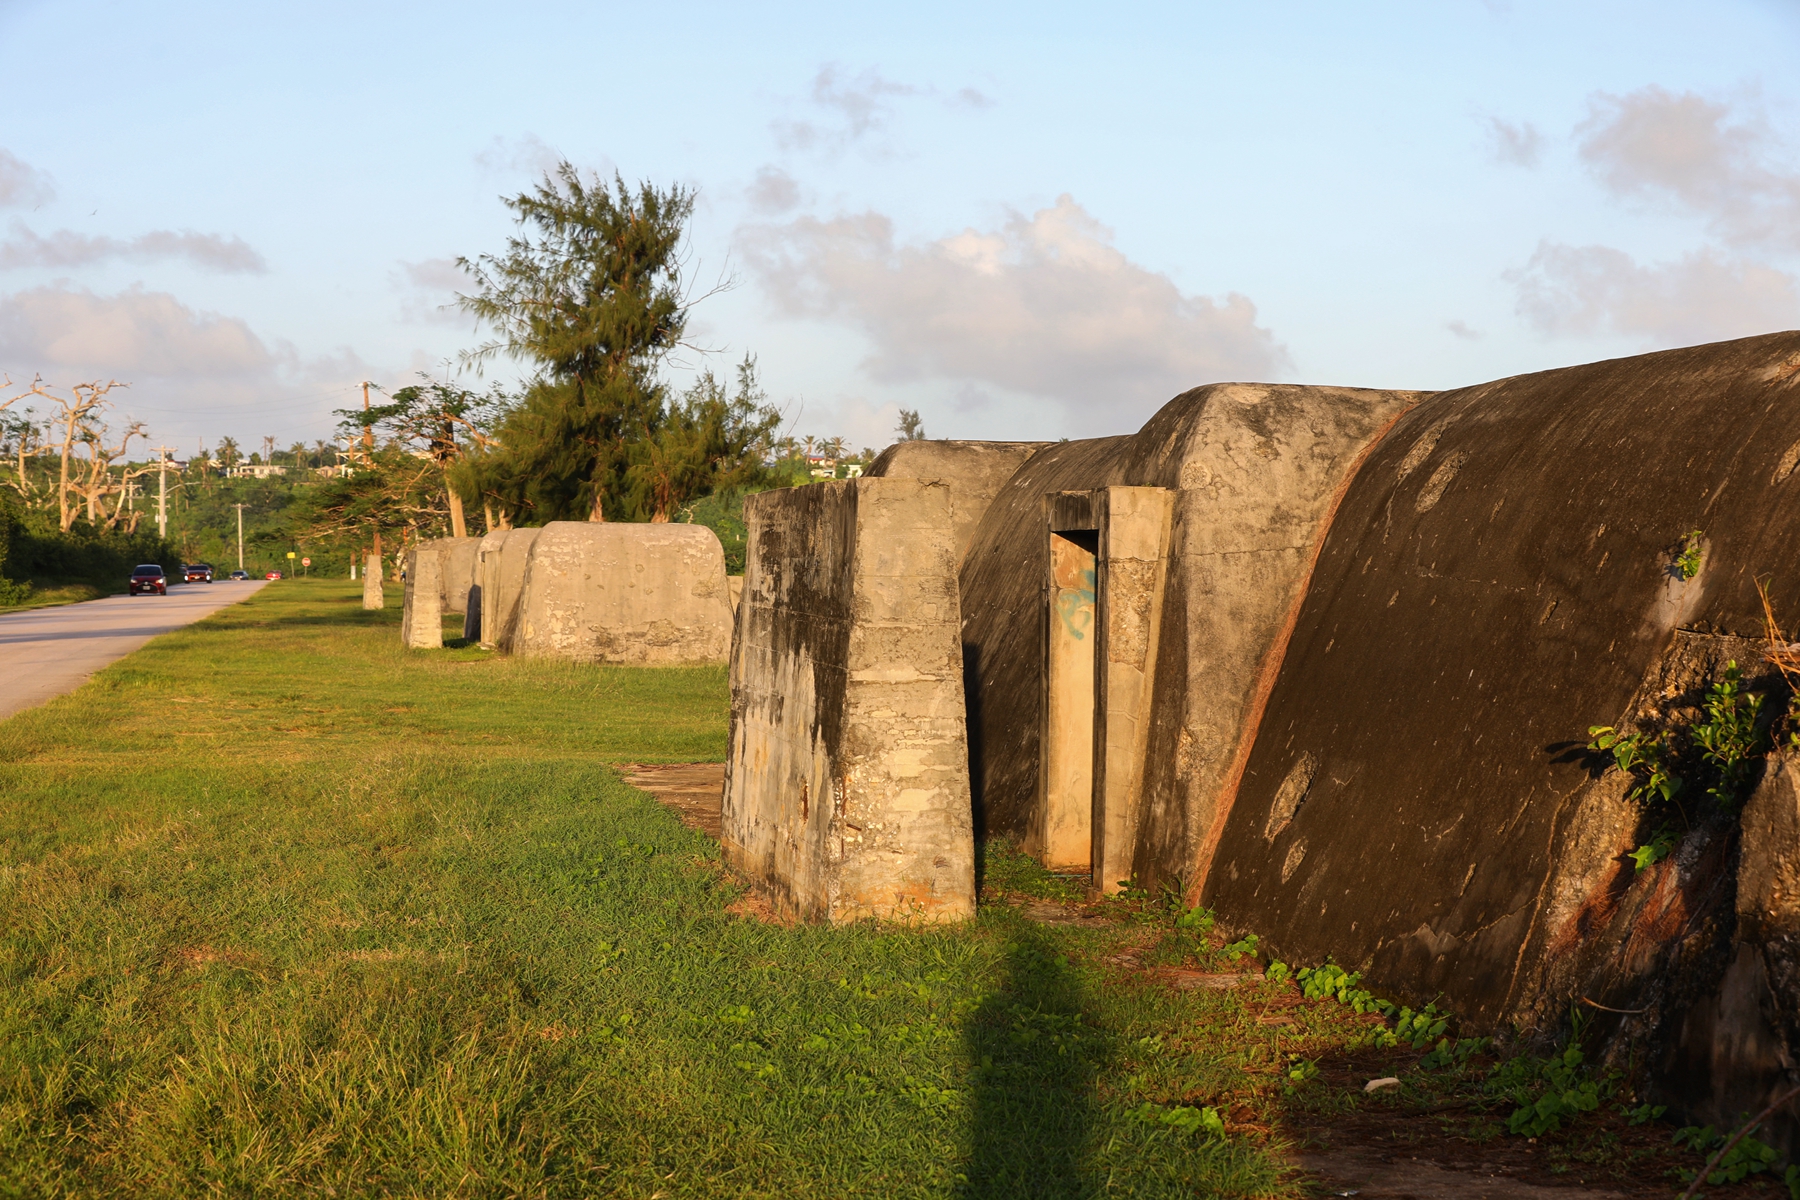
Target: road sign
x: 290, y: 554
x: 306, y: 562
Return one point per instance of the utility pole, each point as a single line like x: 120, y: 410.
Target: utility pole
x: 162, y: 491
x: 240, y: 512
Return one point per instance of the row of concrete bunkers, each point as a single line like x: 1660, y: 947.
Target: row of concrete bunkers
x: 650, y: 595
x: 1323, y: 659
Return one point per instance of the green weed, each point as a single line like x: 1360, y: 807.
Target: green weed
x: 1748, y: 1157
x: 1687, y: 559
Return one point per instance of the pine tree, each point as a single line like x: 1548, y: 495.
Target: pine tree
x: 588, y: 294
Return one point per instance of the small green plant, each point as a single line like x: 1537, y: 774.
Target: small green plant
x: 1331, y: 981
x: 1197, y: 921
x: 1300, y: 1070
x: 1419, y: 1029
x: 1729, y: 738
x: 1548, y: 1091
x: 1643, y: 1114
x: 1792, y: 1179
x: 1552, y: 1090
x: 1453, y: 1053
x: 1236, y: 950
x: 1748, y: 1157
x: 1647, y: 756
x: 1277, y: 971
x: 1659, y: 847
x: 1416, y: 1029
x: 1687, y: 562
x: 1181, y: 1117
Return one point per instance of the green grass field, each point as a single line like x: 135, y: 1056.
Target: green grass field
x: 285, y: 908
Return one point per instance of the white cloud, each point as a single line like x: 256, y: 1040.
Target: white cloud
x: 21, y: 183
x: 76, y: 332
x: 1689, y: 151
x: 527, y: 154
x: 971, y: 98
x: 1044, y: 305
x: 857, y: 106
x: 1462, y: 330
x: 66, y: 248
x: 774, y: 192
x: 1518, y: 145
x: 192, y: 373
x: 428, y: 291
x: 1705, y: 296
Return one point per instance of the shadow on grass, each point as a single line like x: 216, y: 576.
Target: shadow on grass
x: 1036, y: 1058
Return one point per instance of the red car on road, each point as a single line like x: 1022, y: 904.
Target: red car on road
x: 149, y: 578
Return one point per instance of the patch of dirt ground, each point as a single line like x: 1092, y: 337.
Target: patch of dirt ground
x: 693, y: 791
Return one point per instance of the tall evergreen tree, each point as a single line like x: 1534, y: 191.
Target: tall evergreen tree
x: 589, y: 294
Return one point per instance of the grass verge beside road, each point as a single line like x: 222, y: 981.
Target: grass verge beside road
x: 285, y: 908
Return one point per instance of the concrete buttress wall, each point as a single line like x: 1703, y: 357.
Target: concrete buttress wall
x: 625, y: 593
x: 372, y: 597
x: 422, y: 618
x: 457, y: 571
x: 500, y: 574
x: 847, y: 788
x: 973, y: 471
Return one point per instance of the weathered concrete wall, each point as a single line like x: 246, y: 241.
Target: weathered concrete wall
x: 973, y: 471
x: 500, y: 575
x: 846, y: 791
x: 456, y: 570
x: 625, y: 593
x: 422, y: 616
x: 372, y: 597
x: 1499, y: 578
x: 1251, y: 475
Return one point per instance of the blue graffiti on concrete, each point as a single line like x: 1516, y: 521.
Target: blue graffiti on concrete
x: 1075, y: 606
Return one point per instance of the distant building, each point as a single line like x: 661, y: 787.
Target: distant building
x: 255, y: 470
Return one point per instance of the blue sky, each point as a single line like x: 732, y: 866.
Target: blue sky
x: 1026, y: 221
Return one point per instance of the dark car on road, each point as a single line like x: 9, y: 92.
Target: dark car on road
x: 238, y: 576
x: 149, y: 578
x: 198, y: 572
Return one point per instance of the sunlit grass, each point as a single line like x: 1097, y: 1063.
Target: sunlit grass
x: 285, y: 908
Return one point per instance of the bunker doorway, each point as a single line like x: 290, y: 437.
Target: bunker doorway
x: 1102, y: 615
x: 1071, y: 674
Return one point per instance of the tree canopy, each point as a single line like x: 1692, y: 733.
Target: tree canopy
x: 589, y: 294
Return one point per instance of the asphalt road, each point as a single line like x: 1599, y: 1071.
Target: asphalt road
x: 45, y: 652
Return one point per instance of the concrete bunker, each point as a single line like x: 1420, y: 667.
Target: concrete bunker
x: 1505, y: 572
x: 1286, y: 646
x: 647, y: 594
x: 1108, y: 752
